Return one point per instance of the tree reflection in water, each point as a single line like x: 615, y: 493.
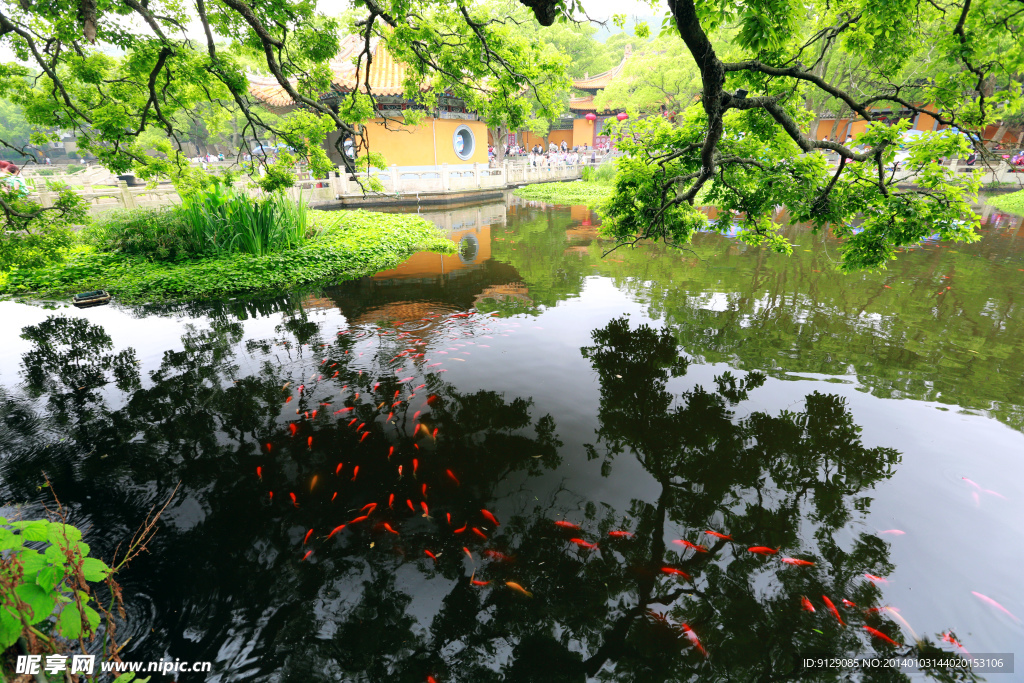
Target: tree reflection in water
x: 227, y: 575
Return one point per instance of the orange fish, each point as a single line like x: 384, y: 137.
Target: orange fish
x: 583, y: 544
x: 388, y: 527
x: 431, y: 556
x: 361, y: 518
x: 459, y: 531
x: 468, y: 554
x: 269, y: 446
x: 449, y: 516
x: 519, y: 589
x: 371, y: 506
x: 338, y: 468
x: 881, y: 636
x: 353, y: 421
x: 479, y: 533
x: 762, y: 550
x: 692, y: 637
x: 566, y: 525
x: 390, y: 415
x: 473, y: 581
x: 434, y: 435
x: 361, y: 425
x: 306, y: 556
x: 424, y: 490
x: 309, y: 442
x: 334, y: 496
x: 363, y: 437
x: 495, y: 555
x: 302, y: 386
x: 433, y: 397
x: 847, y: 603
x: 294, y: 501
x: 805, y: 604
x: 676, y: 572
x: 336, y: 530
x: 451, y: 475
x: 313, y: 483
x: 259, y: 473
x: 873, y: 578
x: 620, y: 534
x: 415, y: 465
x: 355, y: 472
x: 271, y: 496
x: 391, y: 452
x: 343, y: 410
x: 422, y: 427
x: 313, y: 415
x: 796, y: 562
x: 692, y: 546
x: 833, y: 610
x: 291, y: 426
x: 726, y: 537
x: 308, y: 534
x: 399, y: 471
x: 288, y: 399
x: 492, y: 518
x: 416, y: 415
x: 408, y: 501
x: 426, y: 511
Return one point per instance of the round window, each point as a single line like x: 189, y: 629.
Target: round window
x: 463, y: 143
x: 469, y: 248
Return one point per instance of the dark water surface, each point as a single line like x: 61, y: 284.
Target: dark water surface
x: 870, y: 424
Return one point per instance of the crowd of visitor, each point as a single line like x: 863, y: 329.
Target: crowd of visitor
x: 555, y: 154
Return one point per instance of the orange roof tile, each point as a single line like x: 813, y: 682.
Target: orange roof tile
x: 387, y: 75
x: 602, y: 80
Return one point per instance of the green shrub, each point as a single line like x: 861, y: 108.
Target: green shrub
x: 153, y: 233
x: 1012, y: 202
x: 603, y: 174
x: 572, y: 193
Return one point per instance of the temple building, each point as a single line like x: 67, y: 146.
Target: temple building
x: 587, y: 131
x: 448, y: 135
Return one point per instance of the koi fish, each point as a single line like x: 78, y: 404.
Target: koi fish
x: 419, y: 387
x: 353, y: 421
x: 583, y: 544
x: 271, y: 496
x: 390, y: 415
x: 847, y: 603
x: 434, y: 436
x: 479, y: 533
x: 422, y: 427
x: 693, y: 546
x: 313, y: 482
x: 302, y: 386
x: 459, y: 531
x: 797, y: 563
x: 355, y: 472
x: 452, y: 476
x: 724, y: 537
x: 399, y: 471
x: 361, y: 518
x: 993, y: 603
x: 975, y: 485
x: 308, y: 534
x: 433, y: 397
x: 566, y: 525
x: 360, y: 427
x: 259, y: 473
x: 403, y: 381
x: 286, y: 385
x: 294, y: 501
x: 371, y: 506
x: 433, y: 365
x: 489, y: 516
x: 430, y: 555
x: 692, y: 637
x: 391, y: 452
x: 306, y: 556
x: 269, y: 447
x: 336, y: 530
x: 388, y: 527
x: 292, y: 427
x: 334, y: 496
x: 805, y: 604
x: 473, y: 581
x: 951, y: 639
x: 415, y: 466
x: 993, y: 493
x: 833, y: 610
x: 875, y: 579
x: 672, y: 571
x: 426, y: 510
x: 312, y: 415
x: 343, y: 410
x: 363, y: 437
x: 468, y: 554
x: 495, y: 555
x: 288, y: 399
x: 519, y: 589
x: 881, y: 636
x: 620, y: 534
x: 762, y: 550
x: 337, y: 469
x: 375, y: 386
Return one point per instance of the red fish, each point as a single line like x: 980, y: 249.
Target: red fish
x: 269, y: 447
x: 495, y: 555
x: 459, y: 531
x: 692, y: 637
x: 360, y: 427
x: 419, y: 387
x: 361, y: 518
x: 725, y: 537
x: 334, y: 496
x: 492, y: 518
x: 416, y: 415
x: 692, y: 546
x: 294, y: 501
x: 620, y: 534
x: 434, y: 435
x: 363, y: 437
x: 306, y: 556
x: 312, y: 484
x: 672, y: 571
x: 449, y: 516
x: 583, y: 544
x: 415, y: 465
x: 371, y: 506
x: 352, y: 421
x: 431, y: 555
x: 336, y: 530
x: 288, y: 399
x: 433, y: 397
x: 875, y: 579
x: 797, y: 563
x: 893, y: 532
x: 292, y: 427
x: 468, y: 554
x: 391, y: 452
x: 391, y: 500
x: 566, y: 525
x: 259, y: 473
x: 951, y: 639
x: 477, y: 583
x: 452, y: 476
x: 399, y: 471
x: 337, y: 469
x: 833, y: 610
x: 312, y: 415
x: 343, y: 410
x: 989, y: 601
x: 426, y: 510
x: 390, y: 415
x: 424, y: 490
x: 308, y: 534
x: 388, y: 527
x: 762, y: 550
x: 355, y: 472
x: 847, y: 603
x: 881, y: 636
x: 309, y: 442
x: 375, y: 386
x: 805, y: 604
x: 479, y: 533
x: 271, y: 496
x: 301, y: 387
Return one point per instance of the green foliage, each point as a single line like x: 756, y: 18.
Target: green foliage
x: 41, y: 580
x: 572, y: 193
x: 155, y: 233
x: 33, y: 236
x: 603, y: 174
x: 1013, y: 202
x: 349, y: 244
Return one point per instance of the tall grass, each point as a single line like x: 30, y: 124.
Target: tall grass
x: 603, y: 174
x: 223, y: 221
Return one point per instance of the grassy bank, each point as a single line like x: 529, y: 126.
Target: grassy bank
x: 348, y: 244
x: 1013, y: 202
x: 578, y: 192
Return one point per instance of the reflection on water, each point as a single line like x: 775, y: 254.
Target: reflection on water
x: 371, y: 474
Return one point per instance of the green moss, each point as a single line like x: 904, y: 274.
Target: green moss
x: 573, y: 193
x: 350, y: 244
x: 1013, y: 202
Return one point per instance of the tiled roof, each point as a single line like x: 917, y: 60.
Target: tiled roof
x: 386, y: 74
x: 602, y: 80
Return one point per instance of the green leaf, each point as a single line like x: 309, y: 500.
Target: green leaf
x: 9, y: 539
x: 94, y: 569
x: 58, y: 532
x: 49, y: 577
x: 39, y: 601
x: 70, y: 621
x: 10, y: 627
x: 35, y: 530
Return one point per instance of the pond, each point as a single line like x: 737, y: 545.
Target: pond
x: 529, y: 462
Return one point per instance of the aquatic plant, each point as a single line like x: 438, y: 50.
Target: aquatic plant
x: 571, y: 193
x: 1013, y: 202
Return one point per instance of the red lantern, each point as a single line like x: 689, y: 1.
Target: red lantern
x: 591, y: 117
x: 622, y: 116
